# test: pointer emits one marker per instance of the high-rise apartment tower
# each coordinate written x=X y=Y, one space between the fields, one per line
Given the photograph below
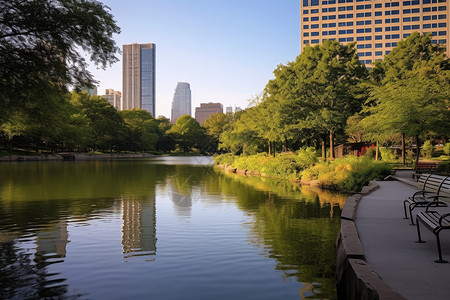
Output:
x=181 y=104
x=139 y=77
x=376 y=25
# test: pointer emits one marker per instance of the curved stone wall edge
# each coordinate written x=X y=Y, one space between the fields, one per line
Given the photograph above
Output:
x=355 y=279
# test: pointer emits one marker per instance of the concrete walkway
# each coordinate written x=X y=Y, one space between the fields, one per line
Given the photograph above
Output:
x=390 y=249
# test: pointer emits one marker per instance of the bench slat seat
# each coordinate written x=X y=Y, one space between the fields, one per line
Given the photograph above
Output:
x=436 y=222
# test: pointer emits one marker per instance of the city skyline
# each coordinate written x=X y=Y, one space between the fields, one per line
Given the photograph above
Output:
x=226 y=51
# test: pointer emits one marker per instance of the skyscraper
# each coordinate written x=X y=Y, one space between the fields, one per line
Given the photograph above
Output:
x=139 y=77
x=113 y=97
x=181 y=104
x=376 y=25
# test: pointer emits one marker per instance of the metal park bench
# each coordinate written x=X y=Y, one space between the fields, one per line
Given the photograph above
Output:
x=425 y=167
x=436 y=222
x=430 y=189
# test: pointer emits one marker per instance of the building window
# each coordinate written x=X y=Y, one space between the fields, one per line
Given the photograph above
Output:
x=442 y=33
x=342 y=40
x=368 y=54
x=415 y=19
x=314 y=41
x=442 y=41
x=426 y=26
x=387 y=44
x=378 y=21
x=395 y=36
x=342 y=32
x=406 y=3
x=349 y=31
x=314 y=11
x=305 y=19
x=395 y=28
x=359 y=46
x=305 y=34
x=314 y=26
x=349 y=8
x=368 y=46
x=350 y=39
x=332 y=9
x=387 y=29
x=305 y=42
x=442 y=17
x=360 y=15
x=378 y=53
x=305 y=11
x=442 y=8
x=378 y=13
x=408 y=27
x=395 y=20
x=426 y=18
x=342 y=8
x=378 y=45
x=314 y=18
x=324 y=32
x=360 y=38
x=415 y=2
x=361 y=30
x=406 y=19
x=341 y=16
x=378 y=29
x=415 y=27
x=368 y=22
x=341 y=24
x=395 y=12
x=305 y=3
x=406 y=35
x=415 y=10
x=349 y=16
x=367 y=30
x=442 y=25
x=349 y=23
x=314 y=2
x=378 y=37
x=368 y=38
x=387 y=52
x=394 y=44
x=358 y=23
x=315 y=33
x=426 y=9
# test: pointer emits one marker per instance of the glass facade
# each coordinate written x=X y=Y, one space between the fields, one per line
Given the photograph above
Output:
x=148 y=80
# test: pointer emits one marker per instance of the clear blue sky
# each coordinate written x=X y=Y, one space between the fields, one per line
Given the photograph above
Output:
x=226 y=50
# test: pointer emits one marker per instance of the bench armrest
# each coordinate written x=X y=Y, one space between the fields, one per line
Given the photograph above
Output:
x=442 y=218
x=436 y=203
x=420 y=193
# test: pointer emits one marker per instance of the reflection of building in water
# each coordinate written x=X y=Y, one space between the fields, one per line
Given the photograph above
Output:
x=139 y=225
x=53 y=240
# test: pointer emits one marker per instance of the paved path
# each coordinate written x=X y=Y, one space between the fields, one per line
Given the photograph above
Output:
x=389 y=247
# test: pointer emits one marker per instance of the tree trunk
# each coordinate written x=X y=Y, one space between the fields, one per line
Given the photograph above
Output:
x=324 y=150
x=377 y=152
x=331 y=145
x=403 y=150
x=418 y=150
x=269 y=149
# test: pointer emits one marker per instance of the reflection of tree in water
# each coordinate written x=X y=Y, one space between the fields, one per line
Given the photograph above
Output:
x=295 y=225
x=24 y=275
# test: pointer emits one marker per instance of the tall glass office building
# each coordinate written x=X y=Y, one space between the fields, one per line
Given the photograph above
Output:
x=139 y=77
x=376 y=25
x=181 y=104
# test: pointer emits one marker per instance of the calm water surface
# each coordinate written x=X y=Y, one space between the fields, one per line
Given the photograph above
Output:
x=162 y=228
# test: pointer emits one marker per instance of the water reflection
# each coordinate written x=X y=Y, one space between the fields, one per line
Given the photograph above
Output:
x=139 y=226
x=43 y=206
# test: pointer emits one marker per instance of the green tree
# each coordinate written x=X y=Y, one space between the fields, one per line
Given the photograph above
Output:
x=40 y=41
x=142 y=127
x=410 y=94
x=105 y=123
x=187 y=132
x=318 y=92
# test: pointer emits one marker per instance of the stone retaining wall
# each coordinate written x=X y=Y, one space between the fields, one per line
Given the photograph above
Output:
x=355 y=279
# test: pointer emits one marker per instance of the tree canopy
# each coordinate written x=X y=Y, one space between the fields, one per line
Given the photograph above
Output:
x=41 y=43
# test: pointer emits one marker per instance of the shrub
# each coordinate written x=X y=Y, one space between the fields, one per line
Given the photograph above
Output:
x=350 y=173
x=387 y=154
x=444 y=168
x=446 y=149
x=428 y=149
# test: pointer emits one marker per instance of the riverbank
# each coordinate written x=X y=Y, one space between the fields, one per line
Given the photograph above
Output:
x=72 y=156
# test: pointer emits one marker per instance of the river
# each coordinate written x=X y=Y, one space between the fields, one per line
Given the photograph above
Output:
x=162 y=228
